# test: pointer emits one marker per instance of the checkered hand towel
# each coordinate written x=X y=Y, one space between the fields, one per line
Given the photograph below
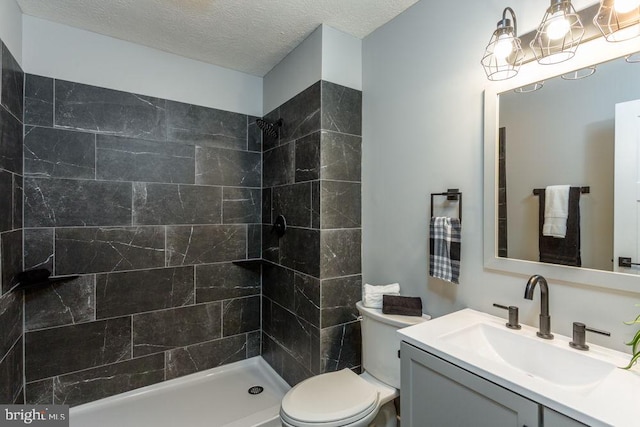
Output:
x=444 y=246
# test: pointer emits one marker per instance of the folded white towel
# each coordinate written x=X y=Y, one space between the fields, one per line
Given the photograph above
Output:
x=556 y=211
x=372 y=294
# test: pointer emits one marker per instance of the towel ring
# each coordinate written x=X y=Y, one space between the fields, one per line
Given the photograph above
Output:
x=452 y=194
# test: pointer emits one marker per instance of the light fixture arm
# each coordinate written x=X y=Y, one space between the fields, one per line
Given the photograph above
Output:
x=513 y=16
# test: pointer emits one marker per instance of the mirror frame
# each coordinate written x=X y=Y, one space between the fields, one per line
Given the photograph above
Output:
x=591 y=53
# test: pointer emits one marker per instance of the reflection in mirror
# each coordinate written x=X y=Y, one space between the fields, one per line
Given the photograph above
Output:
x=564 y=134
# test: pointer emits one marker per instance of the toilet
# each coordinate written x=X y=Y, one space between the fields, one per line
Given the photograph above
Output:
x=345 y=399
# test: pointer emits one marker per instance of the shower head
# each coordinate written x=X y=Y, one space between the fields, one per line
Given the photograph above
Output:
x=271 y=129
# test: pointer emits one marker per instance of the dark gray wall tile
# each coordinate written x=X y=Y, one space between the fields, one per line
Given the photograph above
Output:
x=10 y=142
x=254 y=344
x=206 y=127
x=198 y=357
x=176 y=204
x=130 y=292
x=189 y=325
x=341 y=109
x=301 y=114
x=18 y=197
x=341 y=157
x=254 y=241
x=11 y=321
x=240 y=315
x=270 y=244
x=341 y=347
x=340 y=253
x=283 y=363
x=340 y=204
x=307 y=298
x=294 y=202
x=266 y=206
x=254 y=135
x=218 y=166
x=100 y=250
x=215 y=282
x=10 y=257
x=58 y=153
x=93 y=384
x=55 y=351
x=308 y=157
x=70 y=202
x=39 y=392
x=279 y=168
x=315 y=204
x=203 y=244
x=108 y=111
x=60 y=304
x=129 y=159
x=38 y=248
x=339 y=297
x=241 y=205
x=278 y=285
x=6 y=201
x=291 y=332
x=11 y=368
x=300 y=250
x=38 y=100
x=12 y=83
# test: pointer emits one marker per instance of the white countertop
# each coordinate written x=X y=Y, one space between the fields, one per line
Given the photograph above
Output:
x=611 y=401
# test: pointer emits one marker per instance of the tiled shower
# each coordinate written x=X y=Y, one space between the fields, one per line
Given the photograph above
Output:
x=163 y=209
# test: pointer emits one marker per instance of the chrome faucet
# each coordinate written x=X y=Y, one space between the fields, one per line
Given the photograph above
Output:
x=545 y=319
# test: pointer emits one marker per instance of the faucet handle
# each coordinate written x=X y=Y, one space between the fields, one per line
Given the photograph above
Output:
x=513 y=316
x=579 y=335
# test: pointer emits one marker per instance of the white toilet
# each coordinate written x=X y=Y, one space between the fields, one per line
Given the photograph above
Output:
x=344 y=399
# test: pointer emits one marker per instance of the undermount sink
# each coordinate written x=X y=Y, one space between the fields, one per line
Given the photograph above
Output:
x=535 y=357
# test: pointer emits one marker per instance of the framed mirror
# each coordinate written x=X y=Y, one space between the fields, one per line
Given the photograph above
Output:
x=561 y=134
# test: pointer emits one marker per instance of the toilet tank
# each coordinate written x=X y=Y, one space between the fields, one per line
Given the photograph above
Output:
x=381 y=342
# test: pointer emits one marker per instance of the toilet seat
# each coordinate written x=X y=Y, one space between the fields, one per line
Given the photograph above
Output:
x=330 y=400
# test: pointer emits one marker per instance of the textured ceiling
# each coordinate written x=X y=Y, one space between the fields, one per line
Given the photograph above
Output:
x=251 y=36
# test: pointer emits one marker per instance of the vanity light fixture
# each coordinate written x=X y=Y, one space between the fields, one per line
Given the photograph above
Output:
x=579 y=74
x=634 y=58
x=618 y=20
x=503 y=56
x=558 y=35
x=530 y=88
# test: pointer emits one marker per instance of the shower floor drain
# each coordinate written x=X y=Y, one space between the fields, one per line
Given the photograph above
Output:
x=256 y=389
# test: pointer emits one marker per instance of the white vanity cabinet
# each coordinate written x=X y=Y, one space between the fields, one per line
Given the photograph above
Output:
x=438 y=393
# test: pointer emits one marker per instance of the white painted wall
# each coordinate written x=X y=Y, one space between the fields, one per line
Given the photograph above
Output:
x=63 y=52
x=11 y=27
x=341 y=58
x=423 y=132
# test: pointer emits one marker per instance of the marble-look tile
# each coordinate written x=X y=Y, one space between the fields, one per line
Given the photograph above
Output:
x=341 y=109
x=308 y=157
x=241 y=205
x=57 y=153
x=279 y=168
x=10 y=257
x=339 y=297
x=315 y=204
x=130 y=292
x=294 y=202
x=198 y=357
x=56 y=351
x=270 y=244
x=38 y=100
x=38 y=248
x=340 y=253
x=204 y=244
x=101 y=250
x=11 y=374
x=278 y=285
x=188 y=325
x=341 y=157
x=97 y=383
x=72 y=202
x=206 y=127
x=291 y=332
x=266 y=206
x=176 y=204
x=39 y=392
x=307 y=298
x=10 y=142
x=340 y=204
x=216 y=282
x=254 y=344
x=301 y=114
x=283 y=363
x=18 y=206
x=240 y=315
x=254 y=135
x=11 y=321
x=130 y=159
x=218 y=166
x=300 y=250
x=254 y=241
x=341 y=347
x=12 y=83
x=271 y=141
x=6 y=201
x=315 y=363
x=59 y=304
x=107 y=111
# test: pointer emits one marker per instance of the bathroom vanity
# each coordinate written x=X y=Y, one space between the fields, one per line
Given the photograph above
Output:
x=467 y=368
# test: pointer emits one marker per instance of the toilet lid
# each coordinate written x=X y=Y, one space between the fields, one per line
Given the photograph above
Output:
x=330 y=397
